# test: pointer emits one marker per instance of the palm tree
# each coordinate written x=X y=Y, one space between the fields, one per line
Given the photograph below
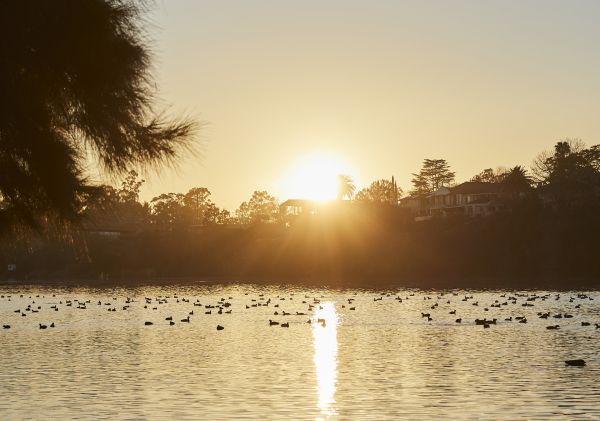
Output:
x=76 y=83
x=516 y=181
x=346 y=187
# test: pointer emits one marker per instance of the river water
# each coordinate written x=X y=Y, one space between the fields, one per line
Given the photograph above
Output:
x=375 y=356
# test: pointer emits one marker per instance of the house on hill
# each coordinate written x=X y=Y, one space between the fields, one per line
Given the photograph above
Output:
x=472 y=198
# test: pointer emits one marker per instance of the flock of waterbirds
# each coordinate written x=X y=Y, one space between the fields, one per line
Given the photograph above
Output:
x=312 y=303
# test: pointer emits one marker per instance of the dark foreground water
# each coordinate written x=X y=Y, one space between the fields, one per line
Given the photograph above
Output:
x=374 y=357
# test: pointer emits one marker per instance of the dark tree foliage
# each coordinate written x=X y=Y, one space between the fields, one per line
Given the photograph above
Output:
x=381 y=191
x=75 y=82
x=516 y=180
x=571 y=174
x=434 y=174
x=261 y=208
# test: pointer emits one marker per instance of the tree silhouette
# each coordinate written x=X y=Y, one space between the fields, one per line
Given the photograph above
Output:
x=262 y=207
x=434 y=174
x=381 y=191
x=130 y=187
x=75 y=82
x=168 y=210
x=490 y=175
x=516 y=180
x=171 y=210
x=198 y=205
x=346 y=187
x=108 y=205
x=571 y=173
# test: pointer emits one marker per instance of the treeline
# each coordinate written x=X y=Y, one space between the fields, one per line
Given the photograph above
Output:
x=531 y=246
x=567 y=176
x=547 y=235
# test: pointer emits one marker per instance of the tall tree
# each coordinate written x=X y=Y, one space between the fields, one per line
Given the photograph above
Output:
x=261 y=208
x=198 y=205
x=381 y=191
x=75 y=82
x=571 y=172
x=107 y=205
x=168 y=210
x=516 y=181
x=545 y=164
x=346 y=187
x=434 y=174
x=130 y=187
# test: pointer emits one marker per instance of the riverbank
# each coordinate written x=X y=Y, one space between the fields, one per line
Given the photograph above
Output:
x=516 y=251
x=564 y=284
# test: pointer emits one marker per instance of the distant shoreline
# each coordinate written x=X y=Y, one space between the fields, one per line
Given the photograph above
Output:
x=376 y=284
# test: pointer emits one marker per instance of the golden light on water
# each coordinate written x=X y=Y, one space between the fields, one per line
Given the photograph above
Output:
x=326 y=348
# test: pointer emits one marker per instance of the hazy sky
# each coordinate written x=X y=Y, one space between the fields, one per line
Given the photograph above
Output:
x=379 y=85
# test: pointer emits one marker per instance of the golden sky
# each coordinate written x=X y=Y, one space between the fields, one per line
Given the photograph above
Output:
x=375 y=86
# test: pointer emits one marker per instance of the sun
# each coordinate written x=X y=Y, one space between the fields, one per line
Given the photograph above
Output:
x=314 y=178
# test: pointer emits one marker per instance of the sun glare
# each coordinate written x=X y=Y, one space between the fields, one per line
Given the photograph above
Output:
x=314 y=178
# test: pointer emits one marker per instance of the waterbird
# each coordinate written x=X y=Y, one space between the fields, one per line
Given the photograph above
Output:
x=148 y=323
x=273 y=323
x=575 y=363
x=43 y=326
x=285 y=324
x=219 y=327
x=554 y=327
x=186 y=320
x=6 y=326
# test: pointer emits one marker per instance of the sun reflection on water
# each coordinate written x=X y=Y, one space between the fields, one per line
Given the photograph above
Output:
x=326 y=348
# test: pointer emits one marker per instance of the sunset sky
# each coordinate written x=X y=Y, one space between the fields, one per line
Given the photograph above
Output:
x=373 y=87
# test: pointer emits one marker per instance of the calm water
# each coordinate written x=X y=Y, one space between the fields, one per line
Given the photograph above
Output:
x=382 y=360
